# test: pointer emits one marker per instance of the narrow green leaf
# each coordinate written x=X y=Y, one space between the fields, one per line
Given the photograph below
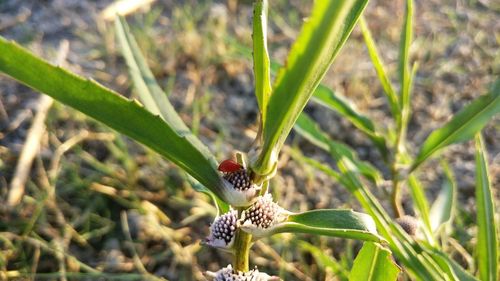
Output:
x=404 y=53
x=487 y=240
x=150 y=93
x=326 y=97
x=261 y=61
x=340 y=104
x=380 y=69
x=453 y=270
x=331 y=222
x=421 y=205
x=319 y=42
x=310 y=130
x=401 y=245
x=471 y=119
x=441 y=213
x=154 y=98
x=123 y=115
x=374 y=263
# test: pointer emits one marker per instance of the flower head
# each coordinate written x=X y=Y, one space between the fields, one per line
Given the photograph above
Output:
x=262 y=216
x=229 y=274
x=409 y=224
x=222 y=231
x=239 y=189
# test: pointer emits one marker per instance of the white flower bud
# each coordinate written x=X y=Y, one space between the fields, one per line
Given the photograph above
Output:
x=262 y=217
x=229 y=274
x=223 y=230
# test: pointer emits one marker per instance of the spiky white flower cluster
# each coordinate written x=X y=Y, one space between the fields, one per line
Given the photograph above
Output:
x=239 y=179
x=409 y=224
x=222 y=230
x=262 y=216
x=229 y=274
x=239 y=189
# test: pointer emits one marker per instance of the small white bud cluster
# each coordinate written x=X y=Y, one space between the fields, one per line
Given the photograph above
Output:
x=239 y=179
x=229 y=274
x=222 y=230
x=262 y=216
x=409 y=224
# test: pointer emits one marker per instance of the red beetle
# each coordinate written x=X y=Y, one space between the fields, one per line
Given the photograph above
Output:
x=229 y=166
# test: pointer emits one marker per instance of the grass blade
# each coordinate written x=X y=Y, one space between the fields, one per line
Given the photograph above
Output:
x=421 y=267
x=319 y=42
x=374 y=263
x=404 y=53
x=421 y=205
x=310 y=130
x=121 y=114
x=380 y=69
x=471 y=119
x=261 y=61
x=453 y=269
x=487 y=240
x=326 y=97
x=154 y=98
x=150 y=93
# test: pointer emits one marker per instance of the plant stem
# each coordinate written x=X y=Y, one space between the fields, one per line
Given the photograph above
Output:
x=396 y=197
x=396 y=181
x=242 y=244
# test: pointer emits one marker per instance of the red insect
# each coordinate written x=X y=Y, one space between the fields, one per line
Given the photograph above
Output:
x=229 y=166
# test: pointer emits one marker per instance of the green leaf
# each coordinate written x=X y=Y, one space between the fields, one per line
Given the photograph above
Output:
x=487 y=240
x=441 y=213
x=152 y=96
x=374 y=263
x=401 y=245
x=319 y=42
x=380 y=69
x=452 y=269
x=404 y=54
x=471 y=119
x=340 y=104
x=121 y=114
x=331 y=222
x=310 y=130
x=150 y=93
x=326 y=97
x=261 y=61
x=421 y=205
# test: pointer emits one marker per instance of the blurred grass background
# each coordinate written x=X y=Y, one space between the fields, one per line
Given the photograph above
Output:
x=100 y=207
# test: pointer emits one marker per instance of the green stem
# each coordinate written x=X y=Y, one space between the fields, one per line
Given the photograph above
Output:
x=242 y=244
x=396 y=198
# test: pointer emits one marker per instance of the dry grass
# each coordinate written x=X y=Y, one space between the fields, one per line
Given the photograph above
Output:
x=98 y=207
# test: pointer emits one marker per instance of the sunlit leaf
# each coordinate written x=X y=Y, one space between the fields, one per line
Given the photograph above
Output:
x=471 y=119
x=310 y=130
x=121 y=114
x=261 y=61
x=487 y=239
x=319 y=41
x=380 y=69
x=331 y=222
x=441 y=212
x=326 y=97
x=374 y=263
